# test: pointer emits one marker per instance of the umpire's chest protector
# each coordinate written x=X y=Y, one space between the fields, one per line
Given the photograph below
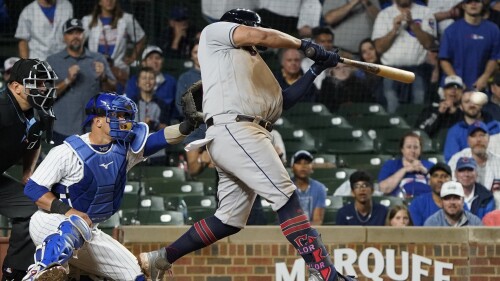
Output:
x=100 y=191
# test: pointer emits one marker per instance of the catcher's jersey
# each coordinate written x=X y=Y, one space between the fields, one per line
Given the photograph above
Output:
x=235 y=80
x=63 y=166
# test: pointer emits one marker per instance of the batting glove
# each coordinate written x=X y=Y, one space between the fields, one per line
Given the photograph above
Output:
x=319 y=53
x=331 y=61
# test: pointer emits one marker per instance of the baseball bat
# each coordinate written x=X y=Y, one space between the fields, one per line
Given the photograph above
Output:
x=376 y=69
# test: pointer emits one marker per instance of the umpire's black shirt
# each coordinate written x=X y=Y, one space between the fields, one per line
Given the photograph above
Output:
x=14 y=127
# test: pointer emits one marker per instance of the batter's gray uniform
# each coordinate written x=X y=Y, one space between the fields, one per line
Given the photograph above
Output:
x=238 y=81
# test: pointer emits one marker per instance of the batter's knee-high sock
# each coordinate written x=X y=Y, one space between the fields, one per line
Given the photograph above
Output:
x=297 y=230
x=201 y=234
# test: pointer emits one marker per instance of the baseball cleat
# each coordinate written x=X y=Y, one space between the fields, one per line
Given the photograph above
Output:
x=54 y=273
x=314 y=275
x=154 y=264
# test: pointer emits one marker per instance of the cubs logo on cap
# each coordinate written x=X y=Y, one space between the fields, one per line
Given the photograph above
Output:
x=466 y=163
x=72 y=24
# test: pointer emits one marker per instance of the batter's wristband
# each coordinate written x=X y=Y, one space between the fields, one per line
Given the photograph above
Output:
x=59 y=207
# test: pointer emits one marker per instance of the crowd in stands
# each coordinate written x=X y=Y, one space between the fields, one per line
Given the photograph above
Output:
x=453 y=47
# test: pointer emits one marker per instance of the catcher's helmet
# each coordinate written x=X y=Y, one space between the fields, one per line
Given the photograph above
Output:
x=38 y=80
x=119 y=112
x=242 y=16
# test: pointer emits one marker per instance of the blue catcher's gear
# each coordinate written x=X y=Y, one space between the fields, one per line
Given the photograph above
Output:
x=119 y=112
x=141 y=131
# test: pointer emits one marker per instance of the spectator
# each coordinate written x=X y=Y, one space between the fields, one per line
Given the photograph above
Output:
x=187 y=78
x=363 y=211
x=368 y=53
x=108 y=28
x=7 y=67
x=165 y=87
x=493 y=218
x=478 y=199
x=453 y=213
x=406 y=176
x=290 y=71
x=470 y=47
x=324 y=37
x=445 y=12
x=175 y=39
x=456 y=138
x=150 y=109
x=39 y=28
x=493 y=105
x=424 y=205
x=441 y=116
x=294 y=16
x=342 y=86
x=344 y=17
x=402 y=34
x=488 y=163
x=82 y=74
x=312 y=193
x=398 y=216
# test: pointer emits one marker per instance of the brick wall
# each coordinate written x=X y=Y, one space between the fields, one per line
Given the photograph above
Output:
x=251 y=255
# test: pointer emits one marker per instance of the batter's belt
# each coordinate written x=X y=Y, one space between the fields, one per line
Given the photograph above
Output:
x=247 y=118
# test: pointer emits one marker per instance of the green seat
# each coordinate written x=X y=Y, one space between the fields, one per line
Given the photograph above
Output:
x=158 y=217
x=283 y=122
x=174 y=203
x=439 y=140
x=128 y=216
x=379 y=122
x=370 y=163
x=16 y=172
x=151 y=202
x=410 y=112
x=325 y=158
x=130 y=201
x=330 y=217
x=332 y=184
x=298 y=139
x=307 y=109
x=320 y=122
x=142 y=172
x=134 y=187
x=344 y=141
x=360 y=109
x=434 y=157
x=197 y=214
x=200 y=201
x=110 y=224
x=388 y=140
x=156 y=186
x=388 y=201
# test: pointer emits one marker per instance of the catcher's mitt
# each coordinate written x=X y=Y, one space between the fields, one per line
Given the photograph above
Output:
x=191 y=108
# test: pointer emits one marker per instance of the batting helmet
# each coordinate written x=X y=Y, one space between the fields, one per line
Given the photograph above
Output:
x=242 y=16
x=119 y=112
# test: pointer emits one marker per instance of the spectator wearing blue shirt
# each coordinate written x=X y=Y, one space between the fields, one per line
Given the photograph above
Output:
x=453 y=212
x=189 y=77
x=166 y=84
x=478 y=199
x=312 y=193
x=363 y=211
x=406 y=176
x=424 y=205
x=456 y=138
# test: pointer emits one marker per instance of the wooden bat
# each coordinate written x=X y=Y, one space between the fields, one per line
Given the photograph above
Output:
x=377 y=69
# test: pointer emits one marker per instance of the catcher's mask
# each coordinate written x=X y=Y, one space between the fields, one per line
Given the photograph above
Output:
x=245 y=17
x=38 y=80
x=119 y=112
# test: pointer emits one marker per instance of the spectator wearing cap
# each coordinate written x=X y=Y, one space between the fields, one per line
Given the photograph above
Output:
x=443 y=115
x=453 y=212
x=488 y=163
x=424 y=205
x=493 y=105
x=478 y=199
x=470 y=47
x=189 y=77
x=7 y=67
x=312 y=193
x=177 y=37
x=166 y=84
x=493 y=218
x=363 y=211
x=108 y=28
x=39 y=28
x=456 y=138
x=82 y=74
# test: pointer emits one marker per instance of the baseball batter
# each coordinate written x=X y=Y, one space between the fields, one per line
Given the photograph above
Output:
x=80 y=183
x=241 y=101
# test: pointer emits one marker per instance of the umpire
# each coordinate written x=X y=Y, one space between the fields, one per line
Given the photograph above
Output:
x=25 y=112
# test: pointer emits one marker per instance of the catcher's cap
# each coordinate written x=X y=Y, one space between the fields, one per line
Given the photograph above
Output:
x=151 y=49
x=243 y=16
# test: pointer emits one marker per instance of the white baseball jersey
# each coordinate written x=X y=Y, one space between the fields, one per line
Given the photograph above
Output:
x=44 y=38
x=103 y=255
x=406 y=50
x=222 y=67
x=442 y=6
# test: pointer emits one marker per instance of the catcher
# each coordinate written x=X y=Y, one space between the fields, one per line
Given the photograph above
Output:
x=80 y=184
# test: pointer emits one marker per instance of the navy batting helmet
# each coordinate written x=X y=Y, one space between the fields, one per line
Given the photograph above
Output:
x=242 y=16
x=119 y=112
